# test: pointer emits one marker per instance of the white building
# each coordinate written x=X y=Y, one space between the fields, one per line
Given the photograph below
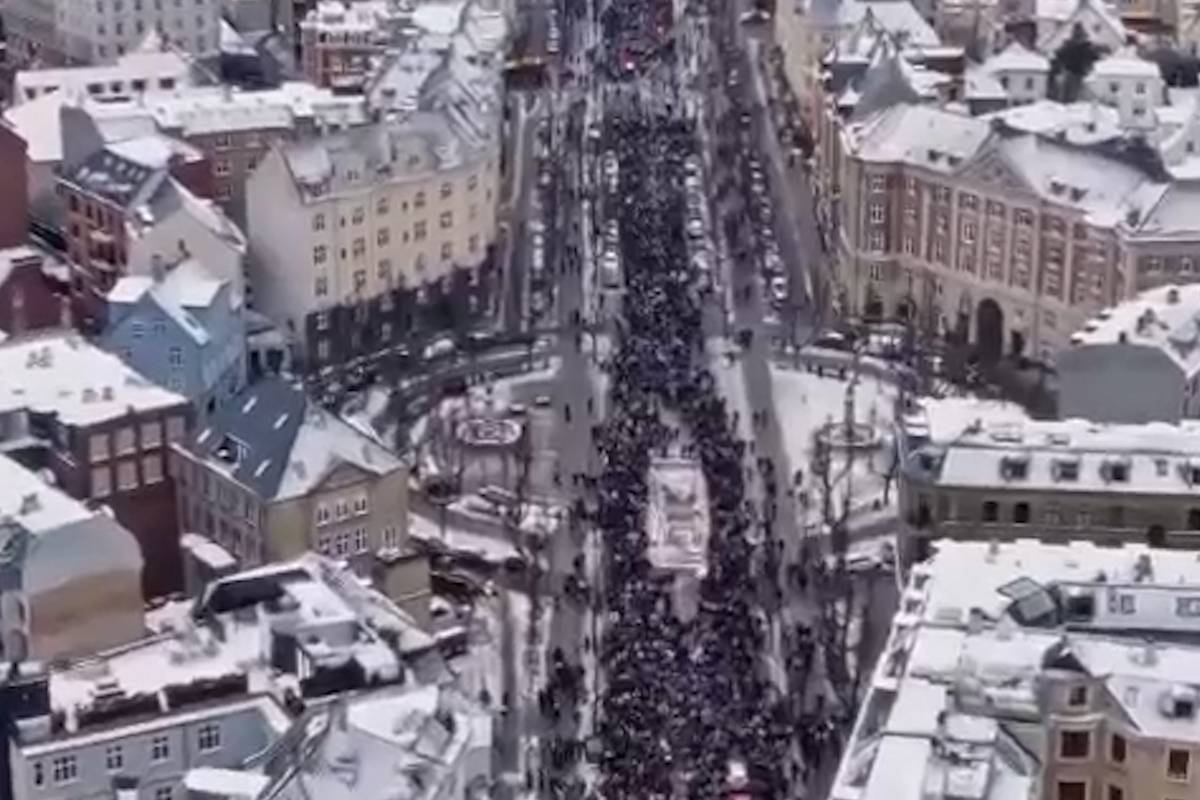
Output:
x=1022 y=73
x=408 y=203
x=1131 y=84
x=71 y=579
x=1025 y=670
x=215 y=684
x=134 y=73
x=1056 y=20
x=102 y=32
x=1152 y=343
x=424 y=743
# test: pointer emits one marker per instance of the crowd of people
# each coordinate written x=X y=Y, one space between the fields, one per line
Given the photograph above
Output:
x=682 y=699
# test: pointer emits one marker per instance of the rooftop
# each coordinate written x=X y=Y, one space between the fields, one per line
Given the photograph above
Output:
x=61 y=373
x=1017 y=57
x=1124 y=64
x=956 y=702
x=36 y=505
x=254 y=633
x=182 y=289
x=140 y=65
x=1166 y=319
x=272 y=440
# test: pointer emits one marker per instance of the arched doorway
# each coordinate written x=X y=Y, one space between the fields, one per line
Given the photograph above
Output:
x=989 y=330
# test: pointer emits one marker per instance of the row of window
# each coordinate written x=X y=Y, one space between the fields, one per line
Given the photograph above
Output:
x=342 y=509
x=102 y=446
x=118 y=6
x=139 y=27
x=343 y=543
x=1076 y=745
x=383 y=205
x=65 y=769
x=127 y=475
x=359 y=277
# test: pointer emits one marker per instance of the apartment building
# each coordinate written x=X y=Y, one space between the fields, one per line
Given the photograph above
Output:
x=1148 y=343
x=437 y=740
x=273 y=475
x=72 y=574
x=102 y=430
x=341 y=42
x=31 y=298
x=61 y=32
x=1065 y=672
x=1023 y=73
x=980 y=230
x=215 y=685
x=134 y=73
x=972 y=471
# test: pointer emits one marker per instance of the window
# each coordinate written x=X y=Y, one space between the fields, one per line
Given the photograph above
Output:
x=175 y=356
x=360 y=279
x=98 y=447
x=991 y=511
x=360 y=247
x=360 y=504
x=1139 y=88
x=341 y=543
x=323 y=349
x=1115 y=793
x=1179 y=763
x=138 y=330
x=357 y=216
x=151 y=435
x=342 y=509
x=152 y=469
x=878 y=183
x=381 y=206
x=318 y=222
x=876 y=212
x=1119 y=472
x=969 y=232
x=1074 y=744
x=127 y=477
x=321 y=286
x=323 y=515
x=1121 y=604
x=209 y=737
x=114 y=758
x=175 y=429
x=391 y=537
x=360 y=540
x=160 y=748
x=125 y=443
x=320 y=254
x=164 y=793
x=446 y=220
x=1116 y=749
x=101 y=482
x=385 y=269
x=382 y=237
x=876 y=242
x=1077 y=696
x=64 y=769
x=419 y=231
x=39 y=774
x=472 y=183
x=419 y=200
x=1021 y=513
x=222 y=166
x=447 y=190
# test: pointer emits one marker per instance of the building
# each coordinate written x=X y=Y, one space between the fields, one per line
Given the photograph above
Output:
x=1148 y=342
x=14 y=206
x=60 y=32
x=102 y=430
x=341 y=43
x=133 y=74
x=183 y=329
x=1029 y=670
x=31 y=298
x=978 y=229
x=273 y=475
x=424 y=741
x=71 y=580
x=231 y=128
x=970 y=471
x=1024 y=74
x=215 y=685
x=1055 y=22
x=1131 y=84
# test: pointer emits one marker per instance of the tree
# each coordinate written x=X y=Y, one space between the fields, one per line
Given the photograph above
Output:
x=1072 y=62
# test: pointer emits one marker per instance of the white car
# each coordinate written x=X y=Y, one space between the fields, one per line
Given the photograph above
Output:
x=753 y=16
x=695 y=227
x=779 y=289
x=440 y=348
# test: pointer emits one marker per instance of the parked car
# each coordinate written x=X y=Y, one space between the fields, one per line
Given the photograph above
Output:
x=441 y=347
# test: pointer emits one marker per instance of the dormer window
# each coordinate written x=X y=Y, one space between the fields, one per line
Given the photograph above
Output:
x=1014 y=468
x=1066 y=469
x=1115 y=470
x=1077 y=697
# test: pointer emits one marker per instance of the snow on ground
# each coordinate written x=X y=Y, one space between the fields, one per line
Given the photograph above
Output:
x=491 y=548
x=805 y=401
x=727 y=369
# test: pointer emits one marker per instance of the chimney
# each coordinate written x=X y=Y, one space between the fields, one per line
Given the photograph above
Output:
x=156 y=267
x=29 y=504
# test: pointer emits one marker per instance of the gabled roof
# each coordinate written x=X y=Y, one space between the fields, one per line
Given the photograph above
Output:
x=1017 y=57
x=185 y=287
x=117 y=179
x=272 y=440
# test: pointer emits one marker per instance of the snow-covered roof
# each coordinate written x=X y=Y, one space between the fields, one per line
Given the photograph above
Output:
x=983 y=85
x=921 y=135
x=339 y=18
x=961 y=680
x=1017 y=58
x=1166 y=318
x=61 y=373
x=225 y=639
x=35 y=504
x=150 y=68
x=1124 y=64
x=182 y=289
x=1081 y=123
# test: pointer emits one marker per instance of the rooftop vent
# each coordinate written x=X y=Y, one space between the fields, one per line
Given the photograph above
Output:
x=1173 y=295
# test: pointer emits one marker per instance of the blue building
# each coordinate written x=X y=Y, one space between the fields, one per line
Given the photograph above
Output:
x=182 y=328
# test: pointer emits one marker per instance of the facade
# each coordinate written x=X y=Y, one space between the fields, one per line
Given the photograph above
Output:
x=969 y=473
x=1055 y=22
x=273 y=476
x=421 y=742
x=1132 y=85
x=1148 y=342
x=183 y=329
x=30 y=298
x=133 y=74
x=1024 y=74
x=212 y=689
x=342 y=43
x=14 y=206
x=102 y=430
x=1029 y=670
x=982 y=230
x=350 y=231
x=73 y=583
